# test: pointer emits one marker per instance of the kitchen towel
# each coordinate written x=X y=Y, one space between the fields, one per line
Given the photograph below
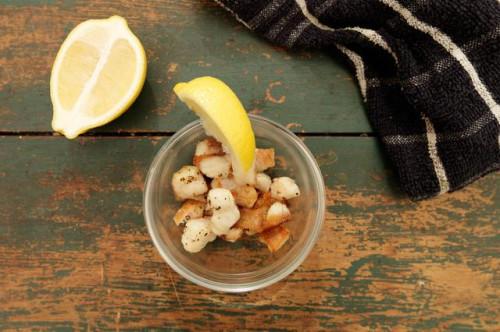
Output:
x=429 y=72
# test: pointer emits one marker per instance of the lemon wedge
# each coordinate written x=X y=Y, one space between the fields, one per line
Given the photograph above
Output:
x=224 y=118
x=98 y=73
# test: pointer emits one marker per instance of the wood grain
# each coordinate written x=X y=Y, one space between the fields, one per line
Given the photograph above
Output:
x=74 y=250
x=183 y=40
x=75 y=253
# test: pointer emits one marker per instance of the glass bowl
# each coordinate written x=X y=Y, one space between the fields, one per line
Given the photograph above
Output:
x=247 y=264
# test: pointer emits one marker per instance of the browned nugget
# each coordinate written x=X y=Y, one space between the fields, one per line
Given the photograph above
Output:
x=264 y=159
x=190 y=209
x=275 y=238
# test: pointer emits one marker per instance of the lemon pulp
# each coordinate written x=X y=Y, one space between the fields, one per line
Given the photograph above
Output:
x=98 y=73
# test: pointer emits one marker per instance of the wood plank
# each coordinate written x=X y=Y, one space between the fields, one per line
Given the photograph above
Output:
x=75 y=253
x=307 y=91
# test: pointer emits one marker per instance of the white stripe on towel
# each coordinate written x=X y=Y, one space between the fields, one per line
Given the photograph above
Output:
x=303 y=7
x=278 y=27
x=444 y=185
x=370 y=34
x=375 y=38
x=360 y=68
x=232 y=13
x=471 y=130
x=265 y=13
x=299 y=29
x=453 y=49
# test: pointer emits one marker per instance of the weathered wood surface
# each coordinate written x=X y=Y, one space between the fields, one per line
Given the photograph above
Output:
x=74 y=250
x=75 y=253
x=183 y=39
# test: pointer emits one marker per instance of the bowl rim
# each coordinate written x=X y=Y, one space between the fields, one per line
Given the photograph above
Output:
x=249 y=286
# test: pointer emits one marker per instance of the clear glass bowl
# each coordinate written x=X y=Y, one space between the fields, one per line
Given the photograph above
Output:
x=247 y=264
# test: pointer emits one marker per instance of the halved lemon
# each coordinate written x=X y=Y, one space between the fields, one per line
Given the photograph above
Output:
x=223 y=117
x=98 y=73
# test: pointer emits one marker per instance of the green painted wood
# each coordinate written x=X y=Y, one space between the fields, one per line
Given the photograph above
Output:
x=309 y=92
x=75 y=253
x=74 y=250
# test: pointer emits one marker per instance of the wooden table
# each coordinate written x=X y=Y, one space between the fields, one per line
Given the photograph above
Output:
x=74 y=250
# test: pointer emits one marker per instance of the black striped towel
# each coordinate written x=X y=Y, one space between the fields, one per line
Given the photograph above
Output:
x=429 y=72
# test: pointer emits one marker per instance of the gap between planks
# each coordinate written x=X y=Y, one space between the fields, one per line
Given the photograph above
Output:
x=161 y=134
